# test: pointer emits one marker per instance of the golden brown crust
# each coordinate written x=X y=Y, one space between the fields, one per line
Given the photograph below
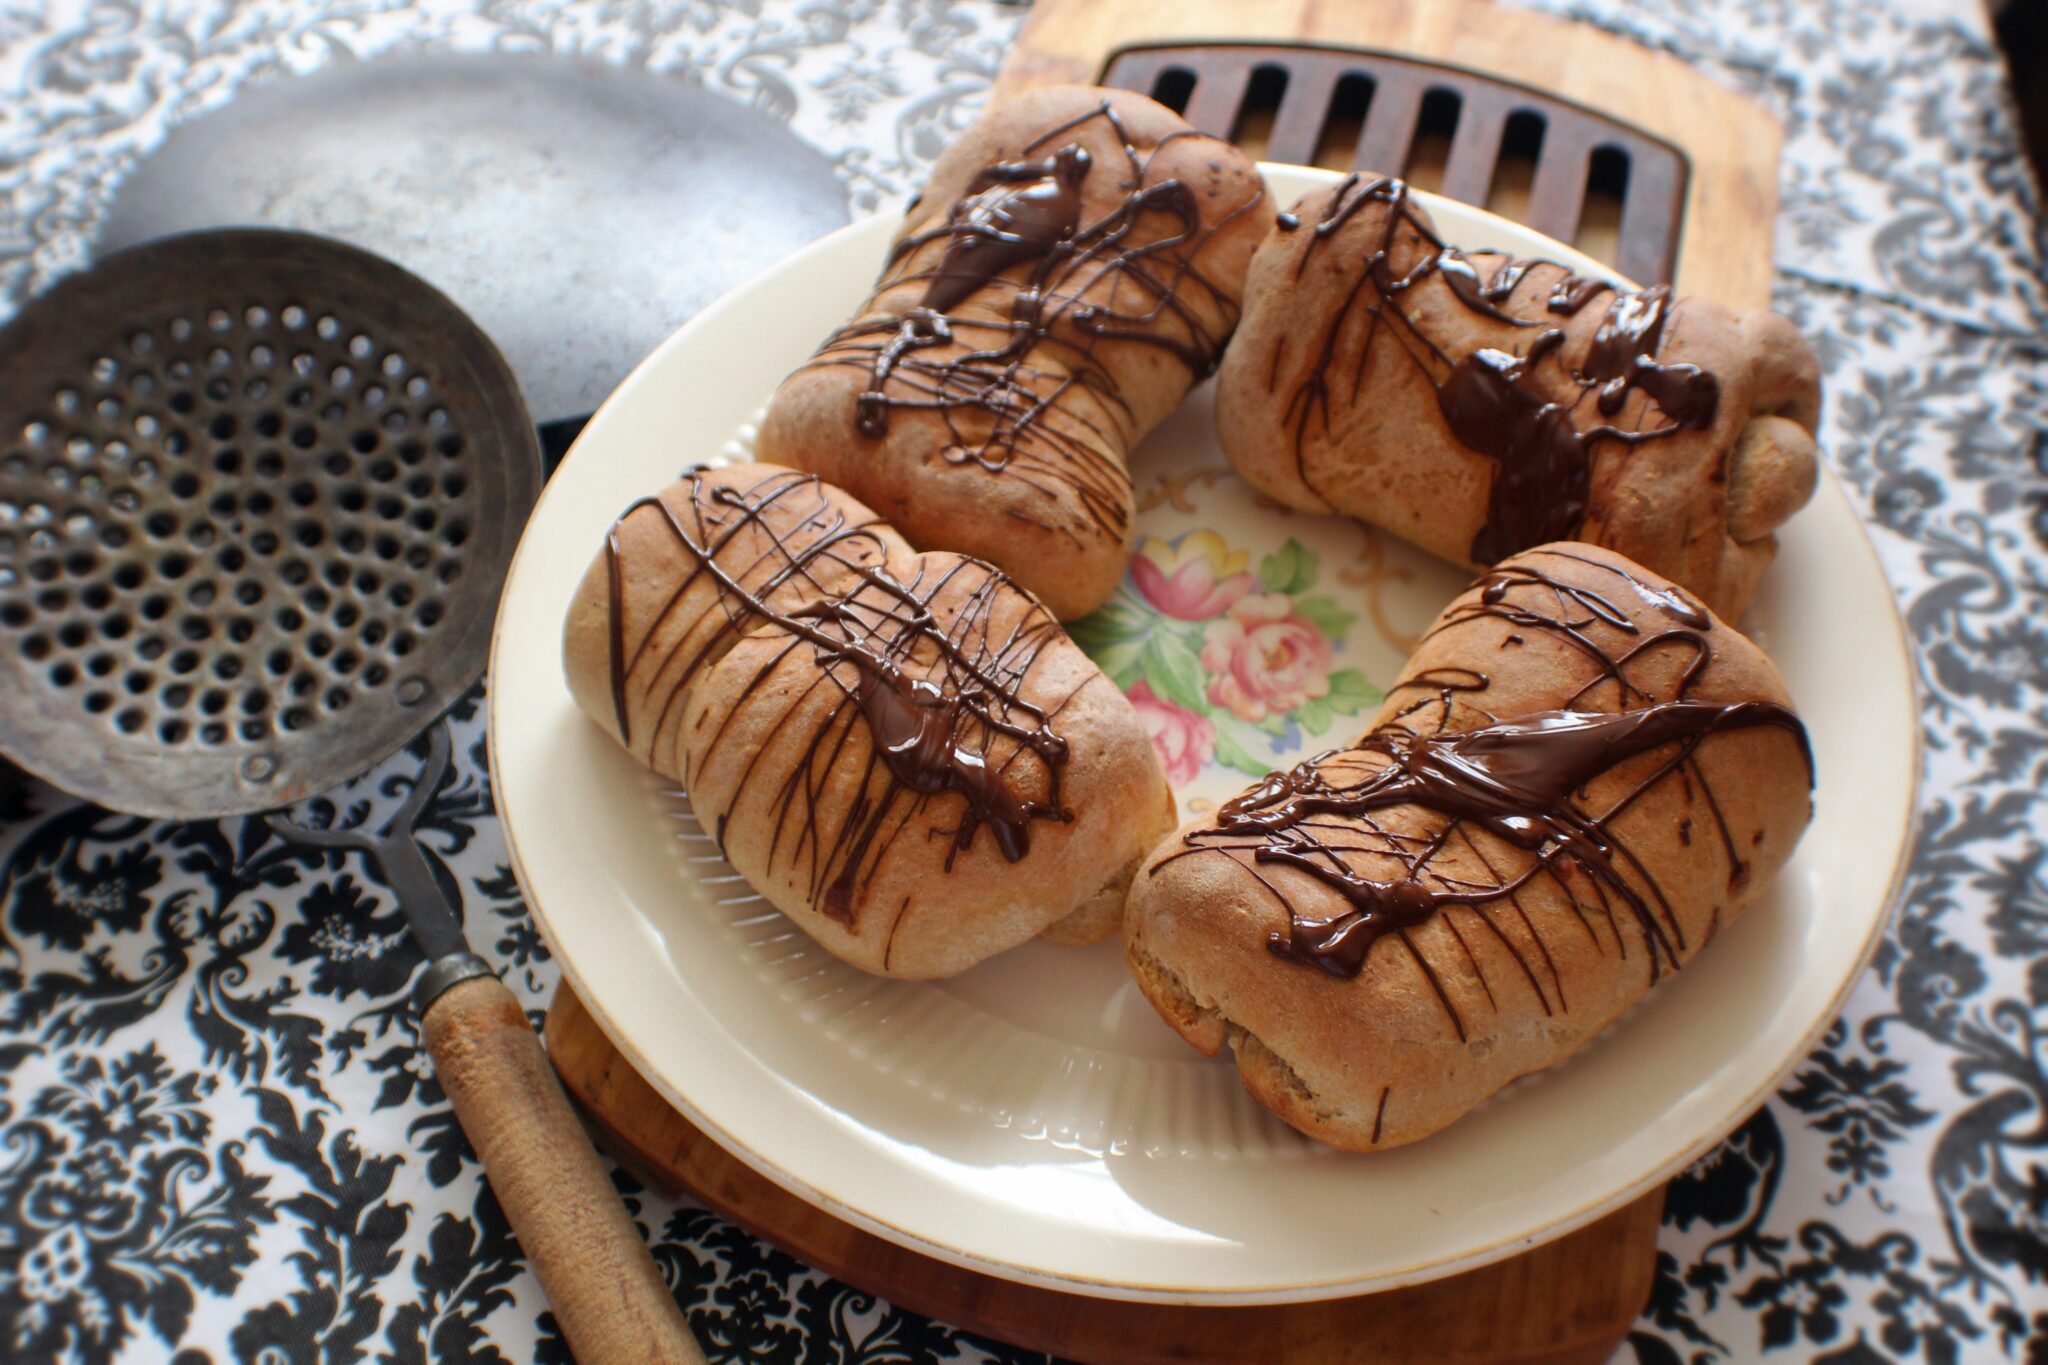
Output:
x=677 y=620
x=1329 y=399
x=1448 y=1009
x=757 y=671
x=1022 y=461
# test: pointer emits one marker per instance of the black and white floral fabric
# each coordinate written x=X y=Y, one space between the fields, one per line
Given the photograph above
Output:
x=219 y=1142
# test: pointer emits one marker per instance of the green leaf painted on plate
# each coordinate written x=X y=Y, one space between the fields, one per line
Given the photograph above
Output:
x=1235 y=750
x=1325 y=615
x=1351 y=691
x=1314 y=716
x=1289 y=569
x=1174 y=671
x=1121 y=660
x=1108 y=624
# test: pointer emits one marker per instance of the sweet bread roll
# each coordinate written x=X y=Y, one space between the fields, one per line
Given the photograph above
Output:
x=1477 y=406
x=903 y=753
x=1074 y=266
x=1580 y=778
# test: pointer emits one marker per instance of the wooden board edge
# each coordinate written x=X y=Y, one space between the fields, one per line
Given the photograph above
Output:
x=1731 y=141
x=1610 y=1264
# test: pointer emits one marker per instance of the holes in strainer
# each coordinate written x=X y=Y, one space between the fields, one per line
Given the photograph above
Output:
x=15 y=615
x=115 y=627
x=394 y=365
x=184 y=661
x=360 y=346
x=295 y=718
x=416 y=387
x=227 y=668
x=223 y=427
x=185 y=485
x=100 y=665
x=327 y=328
x=36 y=648
x=255 y=702
x=215 y=733
x=64 y=674
x=292 y=316
x=137 y=682
x=151 y=648
x=129 y=720
x=454 y=485
x=303 y=494
x=218 y=319
x=268 y=425
x=155 y=608
x=303 y=437
x=98 y=702
x=256 y=315
x=176 y=695
x=73 y=634
x=213 y=701
x=141 y=343
x=363 y=442
x=171 y=730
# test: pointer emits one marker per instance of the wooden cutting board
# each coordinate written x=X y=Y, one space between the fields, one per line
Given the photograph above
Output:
x=1570 y=1302
x=1705 y=164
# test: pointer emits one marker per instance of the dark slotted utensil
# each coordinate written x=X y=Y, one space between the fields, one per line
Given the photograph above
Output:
x=258 y=493
x=1307 y=92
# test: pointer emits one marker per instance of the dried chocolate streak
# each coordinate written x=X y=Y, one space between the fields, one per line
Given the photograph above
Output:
x=1030 y=211
x=936 y=696
x=1517 y=779
x=1541 y=490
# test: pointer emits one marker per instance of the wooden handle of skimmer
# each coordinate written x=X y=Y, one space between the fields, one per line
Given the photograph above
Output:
x=605 y=1291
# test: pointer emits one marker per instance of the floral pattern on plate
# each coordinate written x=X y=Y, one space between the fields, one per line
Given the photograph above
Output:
x=1228 y=666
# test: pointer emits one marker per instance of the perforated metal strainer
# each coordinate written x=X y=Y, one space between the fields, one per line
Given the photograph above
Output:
x=258 y=491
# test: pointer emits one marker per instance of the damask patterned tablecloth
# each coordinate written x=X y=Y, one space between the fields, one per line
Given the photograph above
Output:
x=218 y=1138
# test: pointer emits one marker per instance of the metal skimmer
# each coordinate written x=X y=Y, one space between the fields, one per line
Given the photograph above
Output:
x=258 y=492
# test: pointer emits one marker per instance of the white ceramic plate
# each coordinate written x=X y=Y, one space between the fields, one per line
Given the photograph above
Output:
x=1032 y=1118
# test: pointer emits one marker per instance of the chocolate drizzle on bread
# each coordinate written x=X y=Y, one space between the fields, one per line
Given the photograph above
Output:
x=1028 y=211
x=936 y=696
x=1542 y=486
x=1516 y=779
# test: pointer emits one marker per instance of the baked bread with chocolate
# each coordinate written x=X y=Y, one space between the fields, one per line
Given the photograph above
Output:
x=1072 y=269
x=1580 y=778
x=902 y=752
x=1477 y=405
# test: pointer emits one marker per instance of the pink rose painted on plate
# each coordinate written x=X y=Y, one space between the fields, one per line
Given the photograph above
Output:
x=1197 y=579
x=1183 y=739
x=1263 y=659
